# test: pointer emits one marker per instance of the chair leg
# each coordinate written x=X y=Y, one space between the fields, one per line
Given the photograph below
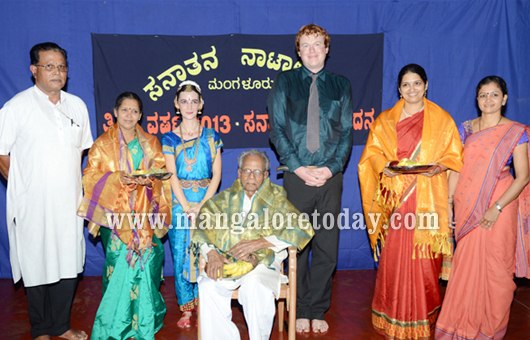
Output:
x=292 y=319
x=281 y=314
x=291 y=301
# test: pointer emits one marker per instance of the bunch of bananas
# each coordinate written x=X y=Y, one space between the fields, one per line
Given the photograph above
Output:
x=407 y=162
x=236 y=269
x=147 y=172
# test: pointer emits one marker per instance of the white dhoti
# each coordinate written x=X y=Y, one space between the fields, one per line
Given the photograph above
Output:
x=255 y=295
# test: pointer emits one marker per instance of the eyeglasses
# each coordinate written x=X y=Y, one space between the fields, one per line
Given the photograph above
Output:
x=257 y=172
x=52 y=67
x=493 y=94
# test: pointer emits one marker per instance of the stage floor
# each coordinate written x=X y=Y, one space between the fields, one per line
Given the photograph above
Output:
x=349 y=316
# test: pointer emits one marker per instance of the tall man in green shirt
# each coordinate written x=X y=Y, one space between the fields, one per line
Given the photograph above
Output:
x=310 y=113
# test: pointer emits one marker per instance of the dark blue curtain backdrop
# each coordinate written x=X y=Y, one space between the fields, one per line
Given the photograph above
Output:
x=236 y=73
x=458 y=42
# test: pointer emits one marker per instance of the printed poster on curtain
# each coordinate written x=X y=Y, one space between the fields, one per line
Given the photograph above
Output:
x=235 y=72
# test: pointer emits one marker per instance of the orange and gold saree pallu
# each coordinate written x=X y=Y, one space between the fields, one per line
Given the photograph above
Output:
x=440 y=143
x=105 y=194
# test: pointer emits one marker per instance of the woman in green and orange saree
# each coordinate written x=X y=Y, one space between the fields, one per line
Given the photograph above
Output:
x=489 y=226
x=407 y=214
x=115 y=203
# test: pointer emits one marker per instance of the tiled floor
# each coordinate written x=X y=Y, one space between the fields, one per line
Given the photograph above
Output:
x=349 y=316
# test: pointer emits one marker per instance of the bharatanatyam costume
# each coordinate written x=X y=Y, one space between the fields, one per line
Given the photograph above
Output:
x=228 y=218
x=193 y=161
x=132 y=306
x=407 y=296
x=480 y=290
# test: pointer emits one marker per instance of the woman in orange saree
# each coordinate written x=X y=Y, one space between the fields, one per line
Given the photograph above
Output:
x=407 y=214
x=480 y=290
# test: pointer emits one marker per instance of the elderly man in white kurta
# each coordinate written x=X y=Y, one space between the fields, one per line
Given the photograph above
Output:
x=243 y=233
x=43 y=132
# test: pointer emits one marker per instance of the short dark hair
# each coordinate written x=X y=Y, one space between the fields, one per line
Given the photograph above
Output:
x=411 y=68
x=501 y=83
x=45 y=46
x=128 y=95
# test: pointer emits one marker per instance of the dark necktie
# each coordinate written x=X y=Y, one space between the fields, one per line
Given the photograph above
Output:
x=313 y=117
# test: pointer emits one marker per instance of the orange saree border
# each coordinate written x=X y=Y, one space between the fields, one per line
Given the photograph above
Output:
x=393 y=328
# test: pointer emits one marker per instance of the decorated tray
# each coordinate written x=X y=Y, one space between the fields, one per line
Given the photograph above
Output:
x=410 y=169
x=156 y=174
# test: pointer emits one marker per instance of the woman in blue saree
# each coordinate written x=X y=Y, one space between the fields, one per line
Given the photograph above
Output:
x=193 y=156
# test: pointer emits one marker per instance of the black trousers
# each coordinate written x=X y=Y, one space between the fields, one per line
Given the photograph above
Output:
x=49 y=307
x=314 y=276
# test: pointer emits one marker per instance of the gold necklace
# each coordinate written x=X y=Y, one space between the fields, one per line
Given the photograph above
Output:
x=196 y=143
x=407 y=115
x=480 y=121
x=188 y=133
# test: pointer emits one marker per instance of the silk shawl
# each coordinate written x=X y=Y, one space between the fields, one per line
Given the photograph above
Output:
x=440 y=143
x=222 y=224
x=106 y=195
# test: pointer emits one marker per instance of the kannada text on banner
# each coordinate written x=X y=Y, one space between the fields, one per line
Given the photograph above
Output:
x=235 y=72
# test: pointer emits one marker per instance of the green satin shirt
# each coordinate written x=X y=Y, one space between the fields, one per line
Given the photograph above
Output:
x=287 y=106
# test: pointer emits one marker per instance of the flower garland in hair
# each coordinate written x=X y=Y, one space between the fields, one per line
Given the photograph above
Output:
x=190 y=82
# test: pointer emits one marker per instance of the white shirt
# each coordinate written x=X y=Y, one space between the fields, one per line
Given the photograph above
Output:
x=45 y=142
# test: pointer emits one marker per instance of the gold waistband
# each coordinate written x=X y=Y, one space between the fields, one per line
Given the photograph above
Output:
x=200 y=183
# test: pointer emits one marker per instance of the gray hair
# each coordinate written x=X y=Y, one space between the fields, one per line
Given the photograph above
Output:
x=254 y=152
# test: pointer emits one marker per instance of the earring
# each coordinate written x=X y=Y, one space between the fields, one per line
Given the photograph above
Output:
x=199 y=113
x=178 y=112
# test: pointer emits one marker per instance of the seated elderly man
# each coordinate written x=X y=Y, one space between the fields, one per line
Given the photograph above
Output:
x=243 y=233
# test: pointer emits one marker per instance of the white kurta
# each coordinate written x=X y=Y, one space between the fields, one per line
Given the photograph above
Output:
x=45 y=143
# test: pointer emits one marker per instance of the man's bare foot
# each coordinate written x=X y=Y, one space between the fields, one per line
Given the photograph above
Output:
x=74 y=334
x=319 y=326
x=302 y=326
x=43 y=337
